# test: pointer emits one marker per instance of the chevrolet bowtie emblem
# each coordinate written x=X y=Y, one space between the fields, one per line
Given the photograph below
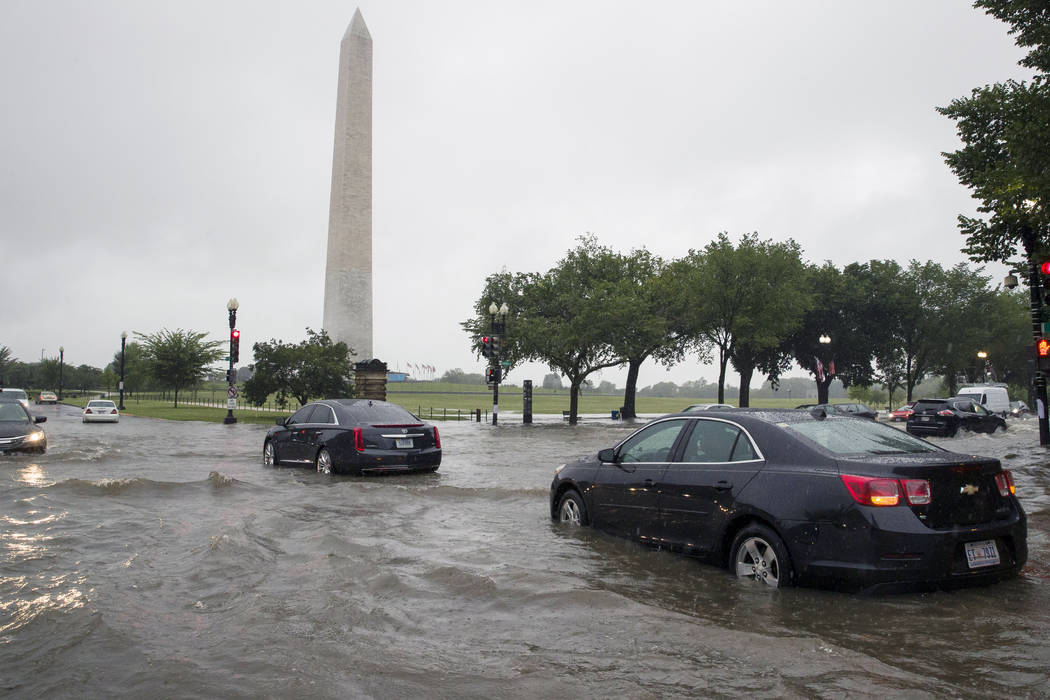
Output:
x=969 y=489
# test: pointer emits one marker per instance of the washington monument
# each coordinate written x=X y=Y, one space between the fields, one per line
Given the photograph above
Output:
x=348 y=270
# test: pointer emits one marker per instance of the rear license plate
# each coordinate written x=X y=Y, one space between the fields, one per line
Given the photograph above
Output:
x=925 y=419
x=403 y=443
x=983 y=553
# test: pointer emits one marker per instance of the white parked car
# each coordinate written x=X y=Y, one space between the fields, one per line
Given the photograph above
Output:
x=101 y=411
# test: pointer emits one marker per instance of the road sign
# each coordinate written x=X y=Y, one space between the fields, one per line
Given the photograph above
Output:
x=231 y=403
x=505 y=363
x=231 y=393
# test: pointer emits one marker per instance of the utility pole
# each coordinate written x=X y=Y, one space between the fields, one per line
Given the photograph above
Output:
x=498 y=330
x=231 y=374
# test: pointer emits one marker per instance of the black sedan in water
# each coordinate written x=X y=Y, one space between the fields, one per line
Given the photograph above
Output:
x=18 y=428
x=358 y=436
x=798 y=497
x=947 y=416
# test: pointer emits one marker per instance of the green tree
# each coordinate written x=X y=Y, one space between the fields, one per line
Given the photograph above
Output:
x=137 y=375
x=313 y=368
x=562 y=317
x=179 y=359
x=741 y=300
x=841 y=304
x=552 y=381
x=6 y=361
x=776 y=303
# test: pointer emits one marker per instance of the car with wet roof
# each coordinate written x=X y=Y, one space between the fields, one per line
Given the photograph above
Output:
x=790 y=497
x=357 y=436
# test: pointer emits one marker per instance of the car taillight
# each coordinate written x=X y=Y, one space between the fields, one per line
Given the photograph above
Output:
x=872 y=491
x=113 y=411
x=945 y=412
x=917 y=491
x=359 y=440
x=1005 y=481
x=87 y=410
x=437 y=438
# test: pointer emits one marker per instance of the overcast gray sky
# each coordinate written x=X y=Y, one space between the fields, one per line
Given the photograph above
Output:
x=160 y=158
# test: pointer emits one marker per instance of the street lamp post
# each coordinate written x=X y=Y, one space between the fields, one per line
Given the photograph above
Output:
x=61 y=361
x=231 y=308
x=498 y=329
x=123 y=342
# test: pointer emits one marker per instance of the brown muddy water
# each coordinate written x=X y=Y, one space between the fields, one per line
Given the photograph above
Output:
x=162 y=559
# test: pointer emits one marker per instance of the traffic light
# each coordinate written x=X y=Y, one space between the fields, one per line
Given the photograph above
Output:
x=235 y=345
x=492 y=375
x=497 y=343
x=486 y=346
x=231 y=377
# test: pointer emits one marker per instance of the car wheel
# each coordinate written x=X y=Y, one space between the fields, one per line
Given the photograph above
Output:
x=571 y=509
x=759 y=554
x=324 y=461
x=270 y=454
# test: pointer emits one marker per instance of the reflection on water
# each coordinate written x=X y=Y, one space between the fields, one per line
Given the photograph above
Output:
x=163 y=559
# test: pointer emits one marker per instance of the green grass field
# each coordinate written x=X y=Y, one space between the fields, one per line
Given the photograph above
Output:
x=435 y=401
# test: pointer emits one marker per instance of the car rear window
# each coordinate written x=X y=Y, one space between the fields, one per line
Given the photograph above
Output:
x=380 y=413
x=101 y=404
x=852 y=437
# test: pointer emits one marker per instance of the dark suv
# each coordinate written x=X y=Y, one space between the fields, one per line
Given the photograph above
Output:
x=946 y=416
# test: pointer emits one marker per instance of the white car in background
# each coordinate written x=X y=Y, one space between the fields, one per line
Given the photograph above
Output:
x=101 y=411
x=20 y=394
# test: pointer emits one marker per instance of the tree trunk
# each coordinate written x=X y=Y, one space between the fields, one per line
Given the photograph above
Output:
x=574 y=400
x=745 y=387
x=723 y=360
x=176 y=398
x=631 y=389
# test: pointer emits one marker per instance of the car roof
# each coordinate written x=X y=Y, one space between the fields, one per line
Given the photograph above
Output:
x=9 y=399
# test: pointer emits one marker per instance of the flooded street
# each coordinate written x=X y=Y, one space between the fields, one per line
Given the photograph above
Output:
x=154 y=558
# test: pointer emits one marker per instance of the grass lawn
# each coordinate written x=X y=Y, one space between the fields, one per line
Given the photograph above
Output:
x=431 y=400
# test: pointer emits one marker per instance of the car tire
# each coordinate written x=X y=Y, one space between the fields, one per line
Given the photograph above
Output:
x=270 y=454
x=324 y=461
x=758 y=553
x=571 y=509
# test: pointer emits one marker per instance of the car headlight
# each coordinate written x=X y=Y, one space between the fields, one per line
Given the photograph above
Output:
x=35 y=437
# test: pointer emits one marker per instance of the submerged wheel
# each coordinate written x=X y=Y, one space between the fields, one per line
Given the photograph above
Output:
x=324 y=461
x=759 y=554
x=571 y=509
x=270 y=454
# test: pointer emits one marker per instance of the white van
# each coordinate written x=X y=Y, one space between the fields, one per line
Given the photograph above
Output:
x=993 y=398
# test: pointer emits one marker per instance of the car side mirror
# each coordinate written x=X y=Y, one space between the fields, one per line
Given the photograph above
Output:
x=607 y=455
x=40 y=419
x=282 y=421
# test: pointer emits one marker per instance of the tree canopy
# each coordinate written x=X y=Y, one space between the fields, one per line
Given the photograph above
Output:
x=179 y=358
x=313 y=368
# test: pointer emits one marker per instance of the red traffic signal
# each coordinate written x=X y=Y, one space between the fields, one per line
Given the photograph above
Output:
x=486 y=346
x=235 y=345
x=1042 y=348
x=1044 y=267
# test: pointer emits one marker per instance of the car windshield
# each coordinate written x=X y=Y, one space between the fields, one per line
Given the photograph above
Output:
x=12 y=413
x=851 y=437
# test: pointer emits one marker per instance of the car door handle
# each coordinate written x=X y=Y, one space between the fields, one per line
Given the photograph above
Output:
x=723 y=485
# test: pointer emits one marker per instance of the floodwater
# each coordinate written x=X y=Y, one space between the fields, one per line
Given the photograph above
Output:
x=162 y=559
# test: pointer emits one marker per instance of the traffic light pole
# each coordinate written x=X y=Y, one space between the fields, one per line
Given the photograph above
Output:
x=230 y=374
x=1034 y=284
